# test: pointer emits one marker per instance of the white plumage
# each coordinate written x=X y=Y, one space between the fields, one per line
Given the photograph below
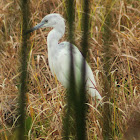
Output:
x=59 y=55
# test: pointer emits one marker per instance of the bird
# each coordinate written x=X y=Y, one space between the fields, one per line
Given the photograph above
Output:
x=59 y=55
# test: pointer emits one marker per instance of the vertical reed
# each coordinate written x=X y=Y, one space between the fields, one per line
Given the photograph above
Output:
x=107 y=125
x=23 y=70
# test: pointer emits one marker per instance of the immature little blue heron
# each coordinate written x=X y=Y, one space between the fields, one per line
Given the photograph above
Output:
x=59 y=55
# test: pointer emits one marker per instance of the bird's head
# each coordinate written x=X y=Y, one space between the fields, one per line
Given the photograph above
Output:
x=52 y=20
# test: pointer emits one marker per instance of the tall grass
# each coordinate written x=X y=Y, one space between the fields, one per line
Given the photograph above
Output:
x=46 y=96
x=23 y=86
x=70 y=117
x=107 y=109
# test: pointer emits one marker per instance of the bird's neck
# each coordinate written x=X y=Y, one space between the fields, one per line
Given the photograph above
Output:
x=54 y=36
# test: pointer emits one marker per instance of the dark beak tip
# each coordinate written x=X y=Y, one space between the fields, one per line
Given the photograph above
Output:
x=28 y=31
x=33 y=29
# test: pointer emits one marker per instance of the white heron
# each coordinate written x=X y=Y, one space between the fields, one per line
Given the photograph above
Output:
x=59 y=55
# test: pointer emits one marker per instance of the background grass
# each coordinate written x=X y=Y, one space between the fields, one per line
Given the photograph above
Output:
x=46 y=96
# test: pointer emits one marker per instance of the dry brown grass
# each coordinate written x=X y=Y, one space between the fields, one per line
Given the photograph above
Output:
x=46 y=96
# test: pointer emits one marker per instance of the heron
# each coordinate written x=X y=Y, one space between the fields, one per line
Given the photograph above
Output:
x=59 y=55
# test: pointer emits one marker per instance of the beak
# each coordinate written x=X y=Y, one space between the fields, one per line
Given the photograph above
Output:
x=35 y=28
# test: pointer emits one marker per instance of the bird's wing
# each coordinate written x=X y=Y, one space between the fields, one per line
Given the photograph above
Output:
x=63 y=62
x=64 y=68
x=64 y=65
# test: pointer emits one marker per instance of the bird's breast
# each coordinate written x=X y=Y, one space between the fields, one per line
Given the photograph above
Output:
x=51 y=65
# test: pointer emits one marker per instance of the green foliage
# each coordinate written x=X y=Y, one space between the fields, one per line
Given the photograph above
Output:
x=28 y=123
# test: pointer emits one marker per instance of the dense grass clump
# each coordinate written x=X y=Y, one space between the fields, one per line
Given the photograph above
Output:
x=46 y=97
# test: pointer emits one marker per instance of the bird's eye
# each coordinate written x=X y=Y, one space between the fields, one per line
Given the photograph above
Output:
x=46 y=20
